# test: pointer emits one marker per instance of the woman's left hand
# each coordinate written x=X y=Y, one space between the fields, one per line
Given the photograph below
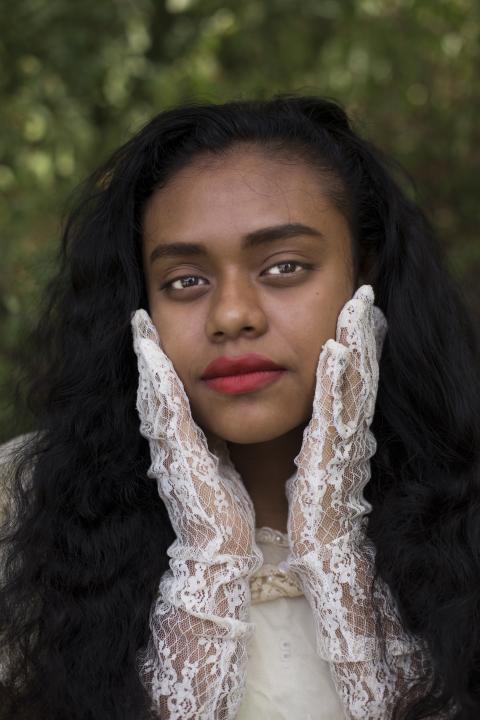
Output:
x=325 y=495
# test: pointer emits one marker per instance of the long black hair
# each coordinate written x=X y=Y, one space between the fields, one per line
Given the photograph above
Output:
x=86 y=535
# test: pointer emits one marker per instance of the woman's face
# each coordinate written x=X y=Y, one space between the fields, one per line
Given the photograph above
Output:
x=280 y=299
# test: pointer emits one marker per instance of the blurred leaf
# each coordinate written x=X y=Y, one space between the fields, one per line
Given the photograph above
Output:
x=77 y=79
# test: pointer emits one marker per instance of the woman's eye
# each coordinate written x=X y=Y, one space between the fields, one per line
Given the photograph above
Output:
x=170 y=283
x=289 y=262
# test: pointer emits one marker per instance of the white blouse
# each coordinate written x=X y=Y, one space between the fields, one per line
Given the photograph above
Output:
x=285 y=677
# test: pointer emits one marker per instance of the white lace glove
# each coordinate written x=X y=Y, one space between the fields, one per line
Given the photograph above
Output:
x=329 y=551
x=194 y=664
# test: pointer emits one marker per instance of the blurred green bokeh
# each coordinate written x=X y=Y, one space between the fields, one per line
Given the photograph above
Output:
x=77 y=79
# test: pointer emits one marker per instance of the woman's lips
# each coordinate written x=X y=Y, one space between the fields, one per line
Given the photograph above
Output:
x=247 y=382
x=247 y=363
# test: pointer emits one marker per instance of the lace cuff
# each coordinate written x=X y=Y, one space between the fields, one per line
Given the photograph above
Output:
x=337 y=581
x=194 y=665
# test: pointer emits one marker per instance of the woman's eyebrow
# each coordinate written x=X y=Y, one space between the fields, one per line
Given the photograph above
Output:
x=249 y=241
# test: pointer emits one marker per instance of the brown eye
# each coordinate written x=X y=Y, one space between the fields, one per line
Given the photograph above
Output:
x=168 y=285
x=289 y=262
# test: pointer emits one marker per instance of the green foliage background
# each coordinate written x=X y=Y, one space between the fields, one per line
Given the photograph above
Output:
x=78 y=78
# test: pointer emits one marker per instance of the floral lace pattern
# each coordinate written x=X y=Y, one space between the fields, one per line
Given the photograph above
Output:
x=273 y=579
x=328 y=514
x=195 y=662
x=194 y=665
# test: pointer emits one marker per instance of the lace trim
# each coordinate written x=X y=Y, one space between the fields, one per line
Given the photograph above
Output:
x=273 y=581
x=269 y=535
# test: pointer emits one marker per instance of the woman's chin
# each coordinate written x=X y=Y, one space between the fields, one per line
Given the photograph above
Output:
x=250 y=436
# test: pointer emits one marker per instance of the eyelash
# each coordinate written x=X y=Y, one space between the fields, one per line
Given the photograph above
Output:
x=305 y=266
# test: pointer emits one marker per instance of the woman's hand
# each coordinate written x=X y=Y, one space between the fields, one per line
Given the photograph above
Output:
x=330 y=553
x=194 y=664
x=334 y=461
x=208 y=505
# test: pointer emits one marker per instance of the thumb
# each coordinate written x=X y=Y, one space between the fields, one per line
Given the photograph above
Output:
x=143 y=328
x=153 y=362
x=162 y=401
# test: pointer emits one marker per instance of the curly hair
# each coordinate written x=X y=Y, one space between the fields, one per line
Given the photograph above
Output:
x=85 y=536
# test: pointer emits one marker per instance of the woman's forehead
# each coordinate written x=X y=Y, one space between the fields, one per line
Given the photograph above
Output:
x=235 y=198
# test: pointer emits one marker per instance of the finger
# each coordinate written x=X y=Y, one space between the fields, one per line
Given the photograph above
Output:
x=327 y=404
x=355 y=330
x=380 y=328
x=366 y=293
x=351 y=312
x=342 y=399
x=372 y=328
x=164 y=401
x=368 y=328
x=143 y=326
x=146 y=343
x=156 y=362
x=354 y=317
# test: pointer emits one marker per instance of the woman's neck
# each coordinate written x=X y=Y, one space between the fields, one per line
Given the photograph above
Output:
x=264 y=468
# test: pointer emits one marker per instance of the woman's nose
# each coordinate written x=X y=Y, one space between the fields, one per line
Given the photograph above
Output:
x=236 y=306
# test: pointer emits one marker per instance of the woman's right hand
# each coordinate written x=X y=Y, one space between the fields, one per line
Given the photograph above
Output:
x=209 y=507
x=194 y=665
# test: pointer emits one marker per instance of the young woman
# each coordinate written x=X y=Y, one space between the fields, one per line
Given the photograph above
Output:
x=252 y=489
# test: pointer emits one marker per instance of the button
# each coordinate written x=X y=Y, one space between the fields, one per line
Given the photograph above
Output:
x=286 y=647
x=286 y=650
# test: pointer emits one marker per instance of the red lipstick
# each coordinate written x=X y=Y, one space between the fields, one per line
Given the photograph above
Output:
x=244 y=373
